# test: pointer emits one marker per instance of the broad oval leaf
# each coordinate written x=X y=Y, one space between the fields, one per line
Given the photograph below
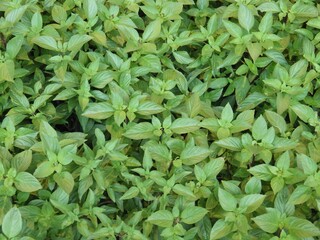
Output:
x=193 y=214
x=162 y=218
x=12 y=223
x=26 y=182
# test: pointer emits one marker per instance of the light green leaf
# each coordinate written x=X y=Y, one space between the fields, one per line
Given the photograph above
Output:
x=261 y=172
x=14 y=46
x=12 y=223
x=98 y=111
x=253 y=186
x=276 y=56
x=25 y=182
x=65 y=181
x=46 y=42
x=59 y=14
x=227 y=113
x=231 y=143
x=162 y=218
x=251 y=101
x=300 y=195
x=182 y=57
x=226 y=200
x=77 y=41
x=308 y=165
x=193 y=154
x=194 y=214
x=140 y=131
x=268 y=222
x=152 y=31
x=16 y=14
x=233 y=29
x=22 y=160
x=269 y=7
x=251 y=202
x=45 y=169
x=304 y=11
x=277 y=121
x=259 y=128
x=131 y=193
x=149 y=108
x=301 y=228
x=304 y=112
x=90 y=8
x=184 y=125
x=266 y=23
x=245 y=17
x=7 y=71
x=220 y=229
x=183 y=191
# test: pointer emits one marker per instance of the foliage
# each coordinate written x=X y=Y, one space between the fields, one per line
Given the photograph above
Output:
x=159 y=119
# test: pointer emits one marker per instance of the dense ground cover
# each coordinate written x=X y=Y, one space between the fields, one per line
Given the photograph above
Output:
x=143 y=119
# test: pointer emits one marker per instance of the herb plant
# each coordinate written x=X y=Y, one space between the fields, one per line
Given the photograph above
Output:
x=159 y=119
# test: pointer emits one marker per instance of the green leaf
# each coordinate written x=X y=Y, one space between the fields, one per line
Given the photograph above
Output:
x=261 y=172
x=101 y=79
x=46 y=42
x=214 y=166
x=233 y=29
x=12 y=223
x=149 y=108
x=193 y=154
x=276 y=56
x=14 y=46
x=16 y=14
x=220 y=229
x=277 y=183
x=266 y=23
x=22 y=160
x=184 y=125
x=251 y=202
x=259 y=128
x=308 y=165
x=193 y=214
x=140 y=131
x=77 y=41
x=304 y=11
x=277 y=121
x=45 y=169
x=268 y=222
x=300 y=195
x=183 y=191
x=304 y=112
x=90 y=8
x=269 y=7
x=231 y=143
x=131 y=193
x=26 y=182
x=49 y=137
x=152 y=31
x=227 y=201
x=162 y=218
x=65 y=181
x=98 y=111
x=301 y=228
x=182 y=57
x=59 y=14
x=114 y=60
x=253 y=186
x=251 y=101
x=245 y=17
x=7 y=71
x=227 y=113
